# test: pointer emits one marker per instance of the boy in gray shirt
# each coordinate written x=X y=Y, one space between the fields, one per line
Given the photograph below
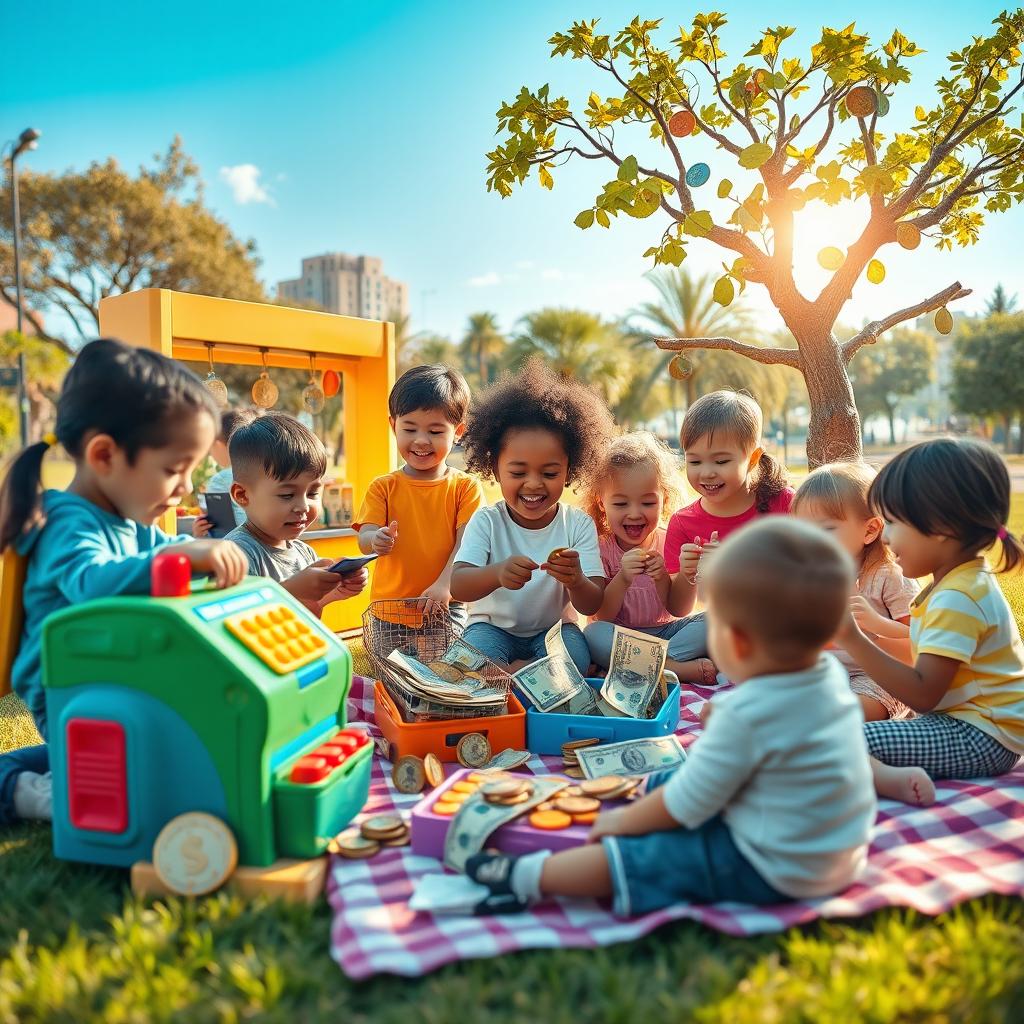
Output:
x=278 y=468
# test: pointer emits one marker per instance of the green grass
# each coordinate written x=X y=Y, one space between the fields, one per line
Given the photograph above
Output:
x=76 y=946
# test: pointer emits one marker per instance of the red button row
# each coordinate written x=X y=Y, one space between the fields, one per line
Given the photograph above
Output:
x=318 y=764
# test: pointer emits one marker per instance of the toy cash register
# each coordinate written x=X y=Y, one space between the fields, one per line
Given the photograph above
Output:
x=229 y=702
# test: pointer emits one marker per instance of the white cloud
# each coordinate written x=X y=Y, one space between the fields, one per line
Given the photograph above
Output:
x=525 y=265
x=487 y=280
x=554 y=274
x=244 y=182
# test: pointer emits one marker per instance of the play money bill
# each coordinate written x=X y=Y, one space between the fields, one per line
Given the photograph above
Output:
x=632 y=757
x=477 y=820
x=635 y=671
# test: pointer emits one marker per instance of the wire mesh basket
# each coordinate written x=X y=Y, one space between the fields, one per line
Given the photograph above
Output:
x=431 y=638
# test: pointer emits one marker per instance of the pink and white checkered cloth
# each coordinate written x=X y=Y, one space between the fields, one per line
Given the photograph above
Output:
x=968 y=844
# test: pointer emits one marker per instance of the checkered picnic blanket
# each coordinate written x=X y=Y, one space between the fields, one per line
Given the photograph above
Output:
x=970 y=843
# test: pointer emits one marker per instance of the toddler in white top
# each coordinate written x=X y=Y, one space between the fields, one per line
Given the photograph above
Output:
x=530 y=560
x=775 y=800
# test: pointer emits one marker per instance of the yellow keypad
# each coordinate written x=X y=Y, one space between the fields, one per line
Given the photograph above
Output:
x=278 y=637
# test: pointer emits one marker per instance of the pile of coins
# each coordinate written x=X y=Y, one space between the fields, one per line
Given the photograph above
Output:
x=571 y=760
x=507 y=791
x=376 y=833
x=452 y=799
x=610 y=787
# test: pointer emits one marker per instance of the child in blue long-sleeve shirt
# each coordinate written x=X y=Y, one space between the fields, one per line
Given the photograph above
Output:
x=137 y=425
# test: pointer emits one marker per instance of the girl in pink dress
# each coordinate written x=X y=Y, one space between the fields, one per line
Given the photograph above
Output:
x=836 y=499
x=735 y=478
x=627 y=495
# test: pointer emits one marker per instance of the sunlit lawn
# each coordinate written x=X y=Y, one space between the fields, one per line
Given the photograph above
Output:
x=76 y=946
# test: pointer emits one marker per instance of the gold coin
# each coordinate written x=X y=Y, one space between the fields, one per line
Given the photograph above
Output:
x=597 y=787
x=433 y=769
x=402 y=840
x=352 y=845
x=464 y=786
x=451 y=796
x=550 y=821
x=584 y=819
x=445 y=808
x=572 y=791
x=473 y=750
x=408 y=774
x=449 y=673
x=574 y=773
x=548 y=805
x=577 y=804
x=194 y=854
x=475 y=777
x=381 y=825
x=506 y=788
x=579 y=744
x=555 y=552
x=510 y=801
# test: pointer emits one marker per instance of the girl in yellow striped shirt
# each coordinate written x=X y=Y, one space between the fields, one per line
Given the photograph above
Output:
x=944 y=503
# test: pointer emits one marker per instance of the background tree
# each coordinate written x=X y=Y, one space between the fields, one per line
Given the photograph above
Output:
x=893 y=369
x=45 y=366
x=433 y=348
x=576 y=344
x=988 y=371
x=98 y=232
x=483 y=348
x=1000 y=302
x=941 y=174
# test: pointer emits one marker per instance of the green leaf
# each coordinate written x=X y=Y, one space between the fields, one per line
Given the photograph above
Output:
x=724 y=188
x=645 y=204
x=603 y=219
x=754 y=156
x=545 y=177
x=584 y=219
x=698 y=224
x=724 y=291
x=627 y=169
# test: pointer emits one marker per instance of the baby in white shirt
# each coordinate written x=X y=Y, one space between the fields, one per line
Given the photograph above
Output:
x=775 y=801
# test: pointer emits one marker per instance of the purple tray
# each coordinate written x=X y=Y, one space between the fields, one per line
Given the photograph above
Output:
x=429 y=829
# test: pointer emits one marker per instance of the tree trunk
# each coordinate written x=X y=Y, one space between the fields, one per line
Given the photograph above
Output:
x=890 y=412
x=834 y=431
x=1020 y=433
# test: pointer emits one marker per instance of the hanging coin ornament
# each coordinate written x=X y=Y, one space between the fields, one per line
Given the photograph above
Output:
x=862 y=101
x=876 y=272
x=214 y=384
x=331 y=383
x=312 y=393
x=264 y=391
x=680 y=368
x=908 y=236
x=943 y=321
x=681 y=124
x=698 y=175
x=831 y=258
x=883 y=102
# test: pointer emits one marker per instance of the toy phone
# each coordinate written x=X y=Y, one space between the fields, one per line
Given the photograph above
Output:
x=350 y=565
x=220 y=512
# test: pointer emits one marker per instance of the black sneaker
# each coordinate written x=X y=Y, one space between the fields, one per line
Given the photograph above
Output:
x=499 y=903
x=493 y=870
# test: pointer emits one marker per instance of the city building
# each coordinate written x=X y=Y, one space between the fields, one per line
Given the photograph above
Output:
x=350 y=285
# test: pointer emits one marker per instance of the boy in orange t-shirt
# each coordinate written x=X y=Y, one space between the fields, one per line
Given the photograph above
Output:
x=414 y=517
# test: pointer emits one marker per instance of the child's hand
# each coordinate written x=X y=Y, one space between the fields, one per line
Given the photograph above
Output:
x=314 y=583
x=705 y=713
x=565 y=568
x=848 y=630
x=515 y=572
x=221 y=559
x=384 y=539
x=609 y=823
x=351 y=584
x=634 y=563
x=710 y=544
x=689 y=559
x=655 y=566
x=864 y=615
x=436 y=598
x=202 y=527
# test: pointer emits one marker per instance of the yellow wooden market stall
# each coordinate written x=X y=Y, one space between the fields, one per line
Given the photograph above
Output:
x=197 y=328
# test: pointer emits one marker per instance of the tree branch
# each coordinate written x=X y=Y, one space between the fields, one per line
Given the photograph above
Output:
x=873 y=330
x=768 y=356
x=37 y=323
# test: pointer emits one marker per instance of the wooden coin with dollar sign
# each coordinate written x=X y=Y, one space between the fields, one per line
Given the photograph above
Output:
x=194 y=854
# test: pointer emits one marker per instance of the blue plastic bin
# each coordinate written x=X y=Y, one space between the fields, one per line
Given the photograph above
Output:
x=545 y=733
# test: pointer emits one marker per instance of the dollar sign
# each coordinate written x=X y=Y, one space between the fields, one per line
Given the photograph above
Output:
x=192 y=854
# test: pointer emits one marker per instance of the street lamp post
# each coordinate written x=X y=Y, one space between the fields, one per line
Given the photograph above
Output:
x=27 y=140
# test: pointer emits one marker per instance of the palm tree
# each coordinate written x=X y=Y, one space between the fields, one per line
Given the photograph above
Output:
x=482 y=346
x=576 y=344
x=687 y=309
x=433 y=348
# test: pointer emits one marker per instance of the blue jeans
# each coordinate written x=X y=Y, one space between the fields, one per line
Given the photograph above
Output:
x=682 y=865
x=503 y=647
x=13 y=763
x=687 y=639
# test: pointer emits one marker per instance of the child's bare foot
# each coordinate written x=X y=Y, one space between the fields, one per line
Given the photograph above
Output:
x=909 y=785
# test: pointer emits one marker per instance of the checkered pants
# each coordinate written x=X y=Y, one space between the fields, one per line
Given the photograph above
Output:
x=944 y=746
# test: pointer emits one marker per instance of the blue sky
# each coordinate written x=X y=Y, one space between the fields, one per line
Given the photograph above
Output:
x=362 y=127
